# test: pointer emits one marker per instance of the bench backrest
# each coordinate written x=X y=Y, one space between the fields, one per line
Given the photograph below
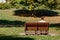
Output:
x=31 y=26
x=36 y=26
x=43 y=26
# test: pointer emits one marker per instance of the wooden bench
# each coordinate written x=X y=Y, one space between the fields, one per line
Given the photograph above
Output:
x=30 y=28
x=36 y=28
x=42 y=28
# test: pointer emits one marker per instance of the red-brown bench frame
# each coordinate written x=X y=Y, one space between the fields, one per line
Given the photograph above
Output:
x=38 y=27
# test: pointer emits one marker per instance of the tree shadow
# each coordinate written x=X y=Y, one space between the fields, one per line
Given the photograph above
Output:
x=46 y=13
x=56 y=25
x=7 y=23
x=22 y=12
x=36 y=13
x=14 y=38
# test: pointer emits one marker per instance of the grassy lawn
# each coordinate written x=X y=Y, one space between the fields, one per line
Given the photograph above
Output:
x=13 y=33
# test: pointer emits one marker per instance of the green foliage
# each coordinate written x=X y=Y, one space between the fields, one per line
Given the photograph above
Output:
x=53 y=4
x=31 y=7
x=36 y=4
x=5 y=6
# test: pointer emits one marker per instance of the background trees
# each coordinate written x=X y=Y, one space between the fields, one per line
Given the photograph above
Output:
x=32 y=4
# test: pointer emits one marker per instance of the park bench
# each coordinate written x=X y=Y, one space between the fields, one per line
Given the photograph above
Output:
x=30 y=28
x=42 y=28
x=36 y=28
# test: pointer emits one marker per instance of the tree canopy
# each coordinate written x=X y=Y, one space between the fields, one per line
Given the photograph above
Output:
x=33 y=4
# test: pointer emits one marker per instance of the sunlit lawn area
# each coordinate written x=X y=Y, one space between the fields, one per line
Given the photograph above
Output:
x=13 y=33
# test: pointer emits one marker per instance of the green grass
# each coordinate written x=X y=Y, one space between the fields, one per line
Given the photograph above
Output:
x=6 y=15
x=13 y=33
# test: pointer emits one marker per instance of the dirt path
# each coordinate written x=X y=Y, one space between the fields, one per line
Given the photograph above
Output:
x=55 y=19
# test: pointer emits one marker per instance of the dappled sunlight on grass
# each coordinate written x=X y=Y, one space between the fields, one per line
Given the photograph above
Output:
x=9 y=32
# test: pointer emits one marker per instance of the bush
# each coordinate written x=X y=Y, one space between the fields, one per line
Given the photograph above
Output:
x=5 y=6
x=8 y=6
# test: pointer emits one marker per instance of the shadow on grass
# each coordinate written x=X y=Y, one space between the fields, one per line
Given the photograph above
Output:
x=56 y=25
x=36 y=13
x=14 y=38
x=7 y=23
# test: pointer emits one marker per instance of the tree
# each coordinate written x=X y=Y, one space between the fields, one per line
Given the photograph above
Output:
x=8 y=1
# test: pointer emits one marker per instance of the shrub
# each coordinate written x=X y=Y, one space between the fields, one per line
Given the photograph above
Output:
x=5 y=6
